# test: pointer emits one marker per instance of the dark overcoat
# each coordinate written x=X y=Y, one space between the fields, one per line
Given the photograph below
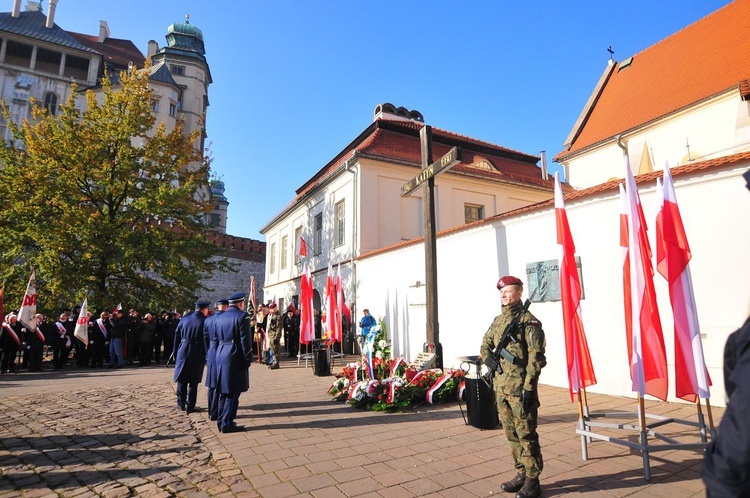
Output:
x=234 y=352
x=190 y=355
x=210 y=342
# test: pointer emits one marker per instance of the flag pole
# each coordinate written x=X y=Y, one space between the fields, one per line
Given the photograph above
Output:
x=586 y=411
x=582 y=426
x=701 y=420
x=711 y=428
x=644 y=437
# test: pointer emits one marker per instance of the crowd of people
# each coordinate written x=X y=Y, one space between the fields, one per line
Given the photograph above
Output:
x=115 y=340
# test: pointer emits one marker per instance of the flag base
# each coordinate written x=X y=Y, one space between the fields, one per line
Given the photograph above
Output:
x=649 y=440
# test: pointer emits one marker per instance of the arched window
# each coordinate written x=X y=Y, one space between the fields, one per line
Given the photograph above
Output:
x=50 y=103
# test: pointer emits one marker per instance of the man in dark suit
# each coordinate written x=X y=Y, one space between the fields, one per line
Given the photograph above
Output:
x=234 y=355
x=190 y=354
x=210 y=342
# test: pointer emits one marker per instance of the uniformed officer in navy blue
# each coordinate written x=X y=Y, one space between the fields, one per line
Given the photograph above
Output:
x=210 y=342
x=234 y=355
x=190 y=354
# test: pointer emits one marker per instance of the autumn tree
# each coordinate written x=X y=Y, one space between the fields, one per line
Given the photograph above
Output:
x=103 y=199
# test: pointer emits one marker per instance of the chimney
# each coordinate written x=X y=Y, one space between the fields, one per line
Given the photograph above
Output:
x=153 y=47
x=16 y=8
x=103 y=31
x=51 y=14
x=545 y=175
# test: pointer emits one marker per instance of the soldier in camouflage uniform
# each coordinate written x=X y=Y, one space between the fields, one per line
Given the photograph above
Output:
x=516 y=386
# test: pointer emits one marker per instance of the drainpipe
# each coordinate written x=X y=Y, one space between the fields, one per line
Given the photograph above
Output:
x=618 y=140
x=355 y=234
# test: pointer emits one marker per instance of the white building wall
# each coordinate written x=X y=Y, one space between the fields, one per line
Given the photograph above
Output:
x=714 y=209
x=715 y=128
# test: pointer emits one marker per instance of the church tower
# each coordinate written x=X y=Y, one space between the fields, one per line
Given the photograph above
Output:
x=185 y=57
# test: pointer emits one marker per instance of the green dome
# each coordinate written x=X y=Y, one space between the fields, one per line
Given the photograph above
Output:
x=185 y=36
x=185 y=28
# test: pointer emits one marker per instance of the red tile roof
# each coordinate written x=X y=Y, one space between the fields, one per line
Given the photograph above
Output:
x=678 y=171
x=703 y=59
x=115 y=52
x=398 y=141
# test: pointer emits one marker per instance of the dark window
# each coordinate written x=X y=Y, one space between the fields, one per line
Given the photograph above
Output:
x=318 y=242
x=50 y=103
x=473 y=212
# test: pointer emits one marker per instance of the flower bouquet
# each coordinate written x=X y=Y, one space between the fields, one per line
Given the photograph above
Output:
x=379 y=382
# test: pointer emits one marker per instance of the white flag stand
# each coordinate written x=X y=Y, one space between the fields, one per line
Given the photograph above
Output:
x=649 y=439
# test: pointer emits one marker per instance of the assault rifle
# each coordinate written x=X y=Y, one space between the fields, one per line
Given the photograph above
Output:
x=493 y=361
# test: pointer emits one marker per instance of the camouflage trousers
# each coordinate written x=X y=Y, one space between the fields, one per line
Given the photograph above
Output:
x=520 y=429
x=274 y=344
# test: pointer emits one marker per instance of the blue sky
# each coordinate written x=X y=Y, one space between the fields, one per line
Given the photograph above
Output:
x=295 y=81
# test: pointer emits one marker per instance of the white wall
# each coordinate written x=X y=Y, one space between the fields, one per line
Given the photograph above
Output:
x=716 y=212
x=715 y=128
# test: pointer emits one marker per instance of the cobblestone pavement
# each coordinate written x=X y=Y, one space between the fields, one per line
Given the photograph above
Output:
x=85 y=433
x=108 y=440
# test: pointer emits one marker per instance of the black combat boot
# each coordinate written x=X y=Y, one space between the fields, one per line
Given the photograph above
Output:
x=530 y=489
x=514 y=484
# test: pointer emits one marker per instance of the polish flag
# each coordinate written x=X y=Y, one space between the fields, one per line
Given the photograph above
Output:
x=580 y=369
x=672 y=258
x=647 y=355
x=339 y=305
x=330 y=322
x=307 y=325
x=302 y=249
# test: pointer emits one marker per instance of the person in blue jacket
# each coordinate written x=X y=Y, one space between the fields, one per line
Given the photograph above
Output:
x=366 y=323
x=234 y=355
x=190 y=356
x=210 y=342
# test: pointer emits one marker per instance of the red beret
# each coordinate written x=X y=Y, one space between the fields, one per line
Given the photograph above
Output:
x=508 y=280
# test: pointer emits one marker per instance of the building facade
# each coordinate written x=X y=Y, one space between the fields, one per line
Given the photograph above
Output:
x=353 y=204
x=40 y=61
x=648 y=107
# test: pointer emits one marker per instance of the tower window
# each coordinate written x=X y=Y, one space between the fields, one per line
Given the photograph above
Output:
x=50 y=103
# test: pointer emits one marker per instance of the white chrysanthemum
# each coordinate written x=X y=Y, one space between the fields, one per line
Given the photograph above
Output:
x=382 y=344
x=379 y=355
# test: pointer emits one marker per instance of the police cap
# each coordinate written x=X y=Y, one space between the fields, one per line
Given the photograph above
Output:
x=236 y=298
x=222 y=302
x=508 y=280
x=199 y=305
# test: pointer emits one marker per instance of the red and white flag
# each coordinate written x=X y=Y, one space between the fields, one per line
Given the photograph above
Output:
x=646 y=352
x=580 y=369
x=27 y=312
x=81 y=331
x=672 y=258
x=330 y=321
x=307 y=324
x=339 y=305
x=302 y=249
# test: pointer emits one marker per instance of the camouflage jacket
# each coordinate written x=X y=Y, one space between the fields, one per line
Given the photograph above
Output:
x=528 y=348
x=274 y=326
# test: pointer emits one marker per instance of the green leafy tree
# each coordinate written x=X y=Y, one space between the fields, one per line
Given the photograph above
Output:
x=103 y=200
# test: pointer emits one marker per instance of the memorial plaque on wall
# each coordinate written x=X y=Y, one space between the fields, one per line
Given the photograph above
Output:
x=544 y=277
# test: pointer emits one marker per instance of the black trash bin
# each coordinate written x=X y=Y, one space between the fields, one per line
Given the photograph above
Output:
x=480 y=403
x=348 y=344
x=321 y=359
